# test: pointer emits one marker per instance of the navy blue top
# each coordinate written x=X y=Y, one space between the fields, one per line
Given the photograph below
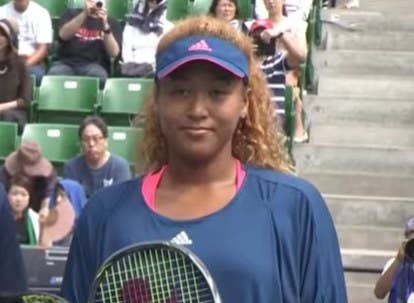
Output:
x=273 y=242
x=12 y=273
x=115 y=170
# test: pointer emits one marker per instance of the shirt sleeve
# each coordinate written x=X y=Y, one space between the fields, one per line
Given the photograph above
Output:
x=123 y=171
x=80 y=267
x=127 y=39
x=321 y=265
x=44 y=31
x=308 y=251
x=67 y=15
x=12 y=272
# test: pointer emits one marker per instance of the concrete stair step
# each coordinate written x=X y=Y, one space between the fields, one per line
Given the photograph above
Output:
x=384 y=240
x=362 y=135
x=388 y=212
x=371 y=21
x=393 y=113
x=355 y=159
x=387 y=41
x=370 y=61
x=361 y=184
x=366 y=86
x=399 y=6
x=360 y=287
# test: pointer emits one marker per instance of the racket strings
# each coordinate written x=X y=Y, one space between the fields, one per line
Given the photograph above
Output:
x=153 y=276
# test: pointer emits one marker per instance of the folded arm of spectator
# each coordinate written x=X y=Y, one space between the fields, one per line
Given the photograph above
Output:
x=38 y=56
x=295 y=53
x=69 y=29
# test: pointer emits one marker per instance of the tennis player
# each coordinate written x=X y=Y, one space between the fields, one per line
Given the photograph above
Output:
x=217 y=182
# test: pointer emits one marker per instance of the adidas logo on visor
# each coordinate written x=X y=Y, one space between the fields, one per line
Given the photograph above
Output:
x=200 y=46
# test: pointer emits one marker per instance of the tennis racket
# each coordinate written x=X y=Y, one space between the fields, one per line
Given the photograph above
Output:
x=154 y=272
x=33 y=297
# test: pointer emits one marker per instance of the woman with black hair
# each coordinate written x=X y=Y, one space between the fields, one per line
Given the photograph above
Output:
x=14 y=79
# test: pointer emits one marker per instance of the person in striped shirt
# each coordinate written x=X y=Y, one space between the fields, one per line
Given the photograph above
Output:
x=278 y=51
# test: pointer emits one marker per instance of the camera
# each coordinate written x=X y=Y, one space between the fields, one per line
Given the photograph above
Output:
x=409 y=250
x=263 y=48
x=255 y=31
x=99 y=4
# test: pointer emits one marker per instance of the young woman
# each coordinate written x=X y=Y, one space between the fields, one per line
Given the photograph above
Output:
x=27 y=220
x=227 y=10
x=14 y=79
x=218 y=177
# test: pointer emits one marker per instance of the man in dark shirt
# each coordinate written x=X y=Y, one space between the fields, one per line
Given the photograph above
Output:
x=88 y=38
x=12 y=274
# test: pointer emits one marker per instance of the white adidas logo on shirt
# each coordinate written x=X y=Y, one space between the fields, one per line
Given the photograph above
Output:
x=182 y=239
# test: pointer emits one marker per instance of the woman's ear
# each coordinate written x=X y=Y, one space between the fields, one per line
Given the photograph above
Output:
x=245 y=108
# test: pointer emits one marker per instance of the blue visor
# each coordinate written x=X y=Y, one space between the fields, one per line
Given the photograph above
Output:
x=205 y=48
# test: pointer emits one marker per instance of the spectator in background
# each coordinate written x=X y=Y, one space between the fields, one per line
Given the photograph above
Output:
x=143 y=29
x=26 y=219
x=289 y=54
x=96 y=167
x=12 y=272
x=35 y=33
x=227 y=10
x=15 y=84
x=28 y=161
x=397 y=278
x=88 y=39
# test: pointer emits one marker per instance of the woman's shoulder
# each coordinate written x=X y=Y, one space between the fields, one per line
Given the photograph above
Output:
x=268 y=178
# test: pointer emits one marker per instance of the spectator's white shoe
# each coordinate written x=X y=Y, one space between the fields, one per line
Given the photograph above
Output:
x=352 y=4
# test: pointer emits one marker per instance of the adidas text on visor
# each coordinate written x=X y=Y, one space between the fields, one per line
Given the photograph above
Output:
x=206 y=48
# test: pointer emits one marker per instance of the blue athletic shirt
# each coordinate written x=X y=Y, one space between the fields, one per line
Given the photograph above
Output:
x=274 y=242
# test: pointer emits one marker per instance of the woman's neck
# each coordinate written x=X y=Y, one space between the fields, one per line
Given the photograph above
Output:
x=276 y=17
x=18 y=215
x=101 y=162
x=222 y=170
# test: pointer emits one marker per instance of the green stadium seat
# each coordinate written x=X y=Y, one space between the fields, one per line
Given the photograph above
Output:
x=117 y=9
x=8 y=135
x=58 y=142
x=66 y=99
x=54 y=7
x=177 y=9
x=3 y=2
x=246 y=9
x=123 y=141
x=199 y=7
x=122 y=99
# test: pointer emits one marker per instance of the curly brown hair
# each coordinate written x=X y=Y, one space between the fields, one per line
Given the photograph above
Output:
x=256 y=140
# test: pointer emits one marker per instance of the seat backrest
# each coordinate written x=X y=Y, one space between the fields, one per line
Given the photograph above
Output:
x=8 y=135
x=58 y=142
x=245 y=9
x=199 y=7
x=67 y=94
x=54 y=7
x=118 y=9
x=177 y=9
x=124 y=95
x=123 y=141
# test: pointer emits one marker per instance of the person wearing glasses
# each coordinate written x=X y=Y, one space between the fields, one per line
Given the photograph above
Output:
x=96 y=167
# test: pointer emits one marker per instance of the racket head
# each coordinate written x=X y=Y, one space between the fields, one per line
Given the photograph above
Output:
x=154 y=272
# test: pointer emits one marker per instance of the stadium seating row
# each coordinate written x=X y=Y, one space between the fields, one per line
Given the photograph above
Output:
x=60 y=142
x=68 y=99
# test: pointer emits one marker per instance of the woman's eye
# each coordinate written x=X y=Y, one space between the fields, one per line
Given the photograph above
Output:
x=180 y=92
x=218 y=93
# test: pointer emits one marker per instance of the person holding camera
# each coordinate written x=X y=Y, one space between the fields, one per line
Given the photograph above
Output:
x=278 y=51
x=88 y=38
x=397 y=278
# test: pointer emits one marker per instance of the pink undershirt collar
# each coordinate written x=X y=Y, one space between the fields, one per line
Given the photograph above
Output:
x=152 y=180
